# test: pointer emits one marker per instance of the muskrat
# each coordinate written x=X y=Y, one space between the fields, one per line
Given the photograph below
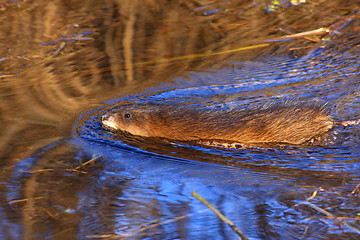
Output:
x=285 y=122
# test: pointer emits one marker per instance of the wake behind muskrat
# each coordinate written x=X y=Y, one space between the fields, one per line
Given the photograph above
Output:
x=288 y=122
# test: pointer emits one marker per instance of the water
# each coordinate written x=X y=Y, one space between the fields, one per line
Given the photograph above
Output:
x=94 y=184
x=141 y=188
x=258 y=189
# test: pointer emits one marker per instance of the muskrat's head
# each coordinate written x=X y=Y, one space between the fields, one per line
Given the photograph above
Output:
x=137 y=119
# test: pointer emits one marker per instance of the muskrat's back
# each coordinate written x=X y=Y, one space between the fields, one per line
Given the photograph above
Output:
x=289 y=122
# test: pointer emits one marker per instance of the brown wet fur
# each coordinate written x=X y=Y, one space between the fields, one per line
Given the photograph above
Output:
x=293 y=123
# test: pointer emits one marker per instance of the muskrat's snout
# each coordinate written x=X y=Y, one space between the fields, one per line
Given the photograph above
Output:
x=105 y=117
x=108 y=121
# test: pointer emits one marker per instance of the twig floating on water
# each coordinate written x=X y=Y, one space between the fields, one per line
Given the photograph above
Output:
x=356 y=189
x=299 y=35
x=134 y=232
x=205 y=54
x=220 y=215
x=323 y=211
x=332 y=29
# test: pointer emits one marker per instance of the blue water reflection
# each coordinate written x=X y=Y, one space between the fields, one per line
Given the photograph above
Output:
x=250 y=186
x=143 y=190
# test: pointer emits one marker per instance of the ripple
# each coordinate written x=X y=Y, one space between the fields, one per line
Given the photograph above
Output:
x=328 y=76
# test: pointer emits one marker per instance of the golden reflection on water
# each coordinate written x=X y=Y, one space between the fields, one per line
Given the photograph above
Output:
x=60 y=58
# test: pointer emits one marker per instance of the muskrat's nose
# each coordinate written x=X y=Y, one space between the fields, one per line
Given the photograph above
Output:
x=105 y=117
x=109 y=121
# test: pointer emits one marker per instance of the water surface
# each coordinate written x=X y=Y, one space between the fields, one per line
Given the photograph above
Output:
x=66 y=177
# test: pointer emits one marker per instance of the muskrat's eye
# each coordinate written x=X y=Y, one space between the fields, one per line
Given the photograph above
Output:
x=127 y=115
